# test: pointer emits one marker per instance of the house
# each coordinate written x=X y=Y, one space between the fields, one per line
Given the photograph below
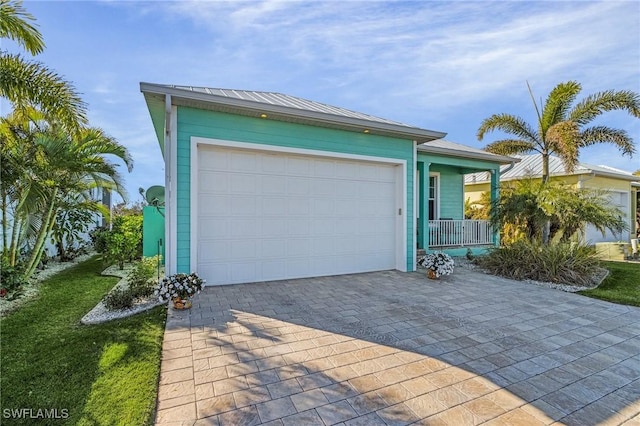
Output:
x=618 y=186
x=264 y=186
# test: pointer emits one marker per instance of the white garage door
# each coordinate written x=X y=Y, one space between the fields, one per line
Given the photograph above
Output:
x=268 y=216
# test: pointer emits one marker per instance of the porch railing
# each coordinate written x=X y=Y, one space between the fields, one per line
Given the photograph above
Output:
x=459 y=233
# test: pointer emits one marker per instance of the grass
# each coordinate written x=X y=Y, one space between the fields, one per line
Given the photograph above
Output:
x=103 y=374
x=621 y=286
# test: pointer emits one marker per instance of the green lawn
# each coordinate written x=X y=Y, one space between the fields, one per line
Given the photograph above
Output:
x=621 y=286
x=101 y=374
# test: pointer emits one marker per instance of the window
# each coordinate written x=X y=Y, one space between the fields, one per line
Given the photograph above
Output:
x=433 y=197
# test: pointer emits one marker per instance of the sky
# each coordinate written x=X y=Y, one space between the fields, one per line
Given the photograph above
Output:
x=441 y=66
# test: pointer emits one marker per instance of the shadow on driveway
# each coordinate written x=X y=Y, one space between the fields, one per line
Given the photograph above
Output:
x=392 y=348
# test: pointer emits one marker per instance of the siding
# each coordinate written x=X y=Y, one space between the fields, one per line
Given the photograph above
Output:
x=451 y=187
x=216 y=125
x=452 y=171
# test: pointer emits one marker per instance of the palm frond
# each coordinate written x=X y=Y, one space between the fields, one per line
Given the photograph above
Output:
x=31 y=84
x=95 y=141
x=510 y=147
x=609 y=100
x=14 y=25
x=603 y=134
x=510 y=124
x=564 y=140
x=559 y=103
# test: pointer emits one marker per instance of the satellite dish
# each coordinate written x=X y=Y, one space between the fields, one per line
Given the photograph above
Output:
x=155 y=195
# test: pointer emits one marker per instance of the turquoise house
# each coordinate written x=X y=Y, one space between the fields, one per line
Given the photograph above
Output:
x=263 y=186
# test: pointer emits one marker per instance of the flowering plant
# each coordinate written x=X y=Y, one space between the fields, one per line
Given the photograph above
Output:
x=182 y=286
x=440 y=263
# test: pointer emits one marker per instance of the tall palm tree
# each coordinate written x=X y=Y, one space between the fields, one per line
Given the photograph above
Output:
x=29 y=83
x=561 y=128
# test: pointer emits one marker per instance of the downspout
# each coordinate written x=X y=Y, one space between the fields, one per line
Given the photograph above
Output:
x=511 y=166
x=168 y=229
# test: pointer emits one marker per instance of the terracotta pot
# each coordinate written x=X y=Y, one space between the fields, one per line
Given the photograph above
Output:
x=181 y=303
x=431 y=274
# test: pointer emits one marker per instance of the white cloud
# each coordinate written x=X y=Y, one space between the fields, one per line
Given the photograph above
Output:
x=442 y=53
x=438 y=65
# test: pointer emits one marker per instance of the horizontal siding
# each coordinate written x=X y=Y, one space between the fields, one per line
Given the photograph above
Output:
x=208 y=124
x=451 y=187
x=216 y=125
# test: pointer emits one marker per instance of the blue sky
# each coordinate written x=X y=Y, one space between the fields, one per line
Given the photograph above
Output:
x=436 y=65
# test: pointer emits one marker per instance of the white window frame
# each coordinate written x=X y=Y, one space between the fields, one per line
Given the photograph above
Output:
x=436 y=199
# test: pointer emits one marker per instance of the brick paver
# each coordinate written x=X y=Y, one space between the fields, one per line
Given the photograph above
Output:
x=391 y=348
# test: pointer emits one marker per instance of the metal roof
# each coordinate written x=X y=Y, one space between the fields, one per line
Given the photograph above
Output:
x=531 y=165
x=442 y=146
x=278 y=106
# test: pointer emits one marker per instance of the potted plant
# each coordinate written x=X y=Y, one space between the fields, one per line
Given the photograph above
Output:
x=437 y=264
x=179 y=288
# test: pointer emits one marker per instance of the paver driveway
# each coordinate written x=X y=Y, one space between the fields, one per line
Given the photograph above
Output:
x=392 y=348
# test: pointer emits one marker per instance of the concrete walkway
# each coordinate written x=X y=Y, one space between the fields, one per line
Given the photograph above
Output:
x=392 y=348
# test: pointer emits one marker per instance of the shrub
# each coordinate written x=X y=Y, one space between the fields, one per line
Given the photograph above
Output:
x=99 y=239
x=123 y=242
x=566 y=263
x=141 y=277
x=12 y=279
x=119 y=299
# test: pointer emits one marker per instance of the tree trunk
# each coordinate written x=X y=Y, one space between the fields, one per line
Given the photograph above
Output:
x=62 y=254
x=546 y=229
x=545 y=166
x=38 y=248
x=5 y=225
x=16 y=238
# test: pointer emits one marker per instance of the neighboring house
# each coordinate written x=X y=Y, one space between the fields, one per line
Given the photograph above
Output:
x=617 y=184
x=264 y=186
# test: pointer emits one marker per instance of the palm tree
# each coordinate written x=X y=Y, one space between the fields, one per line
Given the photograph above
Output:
x=525 y=208
x=73 y=164
x=46 y=168
x=18 y=153
x=562 y=128
x=29 y=83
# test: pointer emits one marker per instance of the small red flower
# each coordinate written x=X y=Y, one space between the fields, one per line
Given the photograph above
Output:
x=3 y=292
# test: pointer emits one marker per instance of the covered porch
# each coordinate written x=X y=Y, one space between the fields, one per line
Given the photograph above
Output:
x=440 y=203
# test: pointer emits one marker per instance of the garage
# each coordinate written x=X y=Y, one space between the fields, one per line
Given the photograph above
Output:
x=264 y=186
x=263 y=215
